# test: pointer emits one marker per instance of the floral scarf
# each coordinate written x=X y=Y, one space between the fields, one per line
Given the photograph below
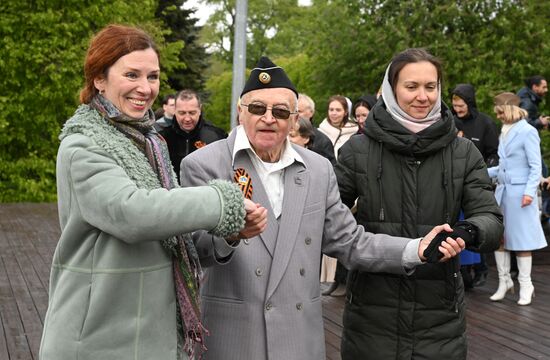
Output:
x=185 y=260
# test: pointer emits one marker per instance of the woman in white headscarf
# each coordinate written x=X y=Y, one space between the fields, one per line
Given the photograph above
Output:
x=409 y=171
x=338 y=125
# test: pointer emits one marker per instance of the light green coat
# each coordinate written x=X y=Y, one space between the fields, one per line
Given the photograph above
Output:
x=111 y=287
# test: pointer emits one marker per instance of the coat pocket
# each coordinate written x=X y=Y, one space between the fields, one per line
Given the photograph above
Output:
x=517 y=180
x=221 y=299
x=312 y=208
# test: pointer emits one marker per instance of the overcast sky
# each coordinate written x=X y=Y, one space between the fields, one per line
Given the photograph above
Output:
x=203 y=11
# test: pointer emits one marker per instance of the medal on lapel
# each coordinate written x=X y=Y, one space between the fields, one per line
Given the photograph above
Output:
x=244 y=181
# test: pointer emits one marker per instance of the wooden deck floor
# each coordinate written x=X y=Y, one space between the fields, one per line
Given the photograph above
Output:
x=29 y=233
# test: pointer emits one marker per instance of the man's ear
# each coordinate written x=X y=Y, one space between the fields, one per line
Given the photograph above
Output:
x=239 y=111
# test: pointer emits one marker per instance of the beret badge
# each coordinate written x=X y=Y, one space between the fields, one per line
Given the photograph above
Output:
x=264 y=78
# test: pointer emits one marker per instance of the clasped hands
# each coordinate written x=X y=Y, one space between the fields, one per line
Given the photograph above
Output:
x=255 y=221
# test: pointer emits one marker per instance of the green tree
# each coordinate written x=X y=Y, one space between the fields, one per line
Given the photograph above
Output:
x=42 y=47
x=217 y=108
x=491 y=44
x=344 y=46
x=183 y=27
x=271 y=29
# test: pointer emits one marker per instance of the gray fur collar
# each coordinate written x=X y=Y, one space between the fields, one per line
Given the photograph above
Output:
x=89 y=122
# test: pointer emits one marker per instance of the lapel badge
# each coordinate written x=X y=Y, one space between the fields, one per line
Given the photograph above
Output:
x=264 y=78
x=244 y=181
x=198 y=144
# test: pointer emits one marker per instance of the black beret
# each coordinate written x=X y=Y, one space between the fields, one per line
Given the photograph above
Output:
x=267 y=75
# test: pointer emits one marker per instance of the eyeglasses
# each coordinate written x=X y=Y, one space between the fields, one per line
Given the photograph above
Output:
x=278 y=113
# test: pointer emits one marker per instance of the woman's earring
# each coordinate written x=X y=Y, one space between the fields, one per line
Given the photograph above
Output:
x=101 y=92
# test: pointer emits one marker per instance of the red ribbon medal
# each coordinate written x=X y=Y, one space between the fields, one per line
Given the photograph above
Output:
x=244 y=181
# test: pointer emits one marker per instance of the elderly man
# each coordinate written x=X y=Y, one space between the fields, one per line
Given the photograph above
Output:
x=265 y=303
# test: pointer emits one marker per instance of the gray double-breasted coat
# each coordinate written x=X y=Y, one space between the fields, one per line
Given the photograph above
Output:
x=265 y=302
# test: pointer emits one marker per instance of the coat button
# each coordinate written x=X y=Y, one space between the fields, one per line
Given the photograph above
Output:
x=308 y=240
x=259 y=272
x=268 y=306
x=299 y=306
x=246 y=241
x=302 y=271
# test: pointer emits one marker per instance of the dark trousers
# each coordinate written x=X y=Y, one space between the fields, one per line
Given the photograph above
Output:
x=481 y=267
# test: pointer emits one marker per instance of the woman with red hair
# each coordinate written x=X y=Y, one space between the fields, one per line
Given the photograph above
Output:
x=125 y=273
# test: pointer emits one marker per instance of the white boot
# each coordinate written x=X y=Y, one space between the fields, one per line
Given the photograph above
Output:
x=526 y=288
x=505 y=283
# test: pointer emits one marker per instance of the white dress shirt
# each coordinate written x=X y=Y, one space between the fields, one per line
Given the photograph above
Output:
x=271 y=174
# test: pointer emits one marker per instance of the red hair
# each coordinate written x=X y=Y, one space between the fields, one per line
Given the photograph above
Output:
x=107 y=46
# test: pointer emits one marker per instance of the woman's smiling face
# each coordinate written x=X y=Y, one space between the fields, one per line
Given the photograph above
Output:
x=132 y=82
x=336 y=113
x=417 y=89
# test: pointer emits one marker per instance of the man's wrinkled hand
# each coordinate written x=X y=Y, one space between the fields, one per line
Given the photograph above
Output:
x=255 y=220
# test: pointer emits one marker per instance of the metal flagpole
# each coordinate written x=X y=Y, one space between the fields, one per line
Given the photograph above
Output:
x=239 y=57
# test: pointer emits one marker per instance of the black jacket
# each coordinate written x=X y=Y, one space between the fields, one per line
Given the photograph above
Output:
x=323 y=146
x=477 y=126
x=530 y=101
x=181 y=143
x=405 y=184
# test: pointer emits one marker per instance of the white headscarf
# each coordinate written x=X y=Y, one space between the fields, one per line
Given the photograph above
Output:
x=412 y=124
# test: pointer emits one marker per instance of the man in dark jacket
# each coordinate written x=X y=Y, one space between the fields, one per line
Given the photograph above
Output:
x=531 y=95
x=322 y=145
x=168 y=108
x=477 y=126
x=481 y=130
x=190 y=131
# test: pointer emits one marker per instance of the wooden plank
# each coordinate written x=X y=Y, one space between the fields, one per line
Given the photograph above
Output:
x=35 y=272
x=3 y=345
x=16 y=340
x=28 y=314
x=496 y=330
x=29 y=233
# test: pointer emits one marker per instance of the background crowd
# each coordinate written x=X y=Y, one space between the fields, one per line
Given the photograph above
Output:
x=329 y=47
x=403 y=184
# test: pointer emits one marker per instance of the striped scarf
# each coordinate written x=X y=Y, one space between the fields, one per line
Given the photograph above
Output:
x=185 y=260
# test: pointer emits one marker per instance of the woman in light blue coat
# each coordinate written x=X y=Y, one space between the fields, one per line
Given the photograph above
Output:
x=518 y=175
